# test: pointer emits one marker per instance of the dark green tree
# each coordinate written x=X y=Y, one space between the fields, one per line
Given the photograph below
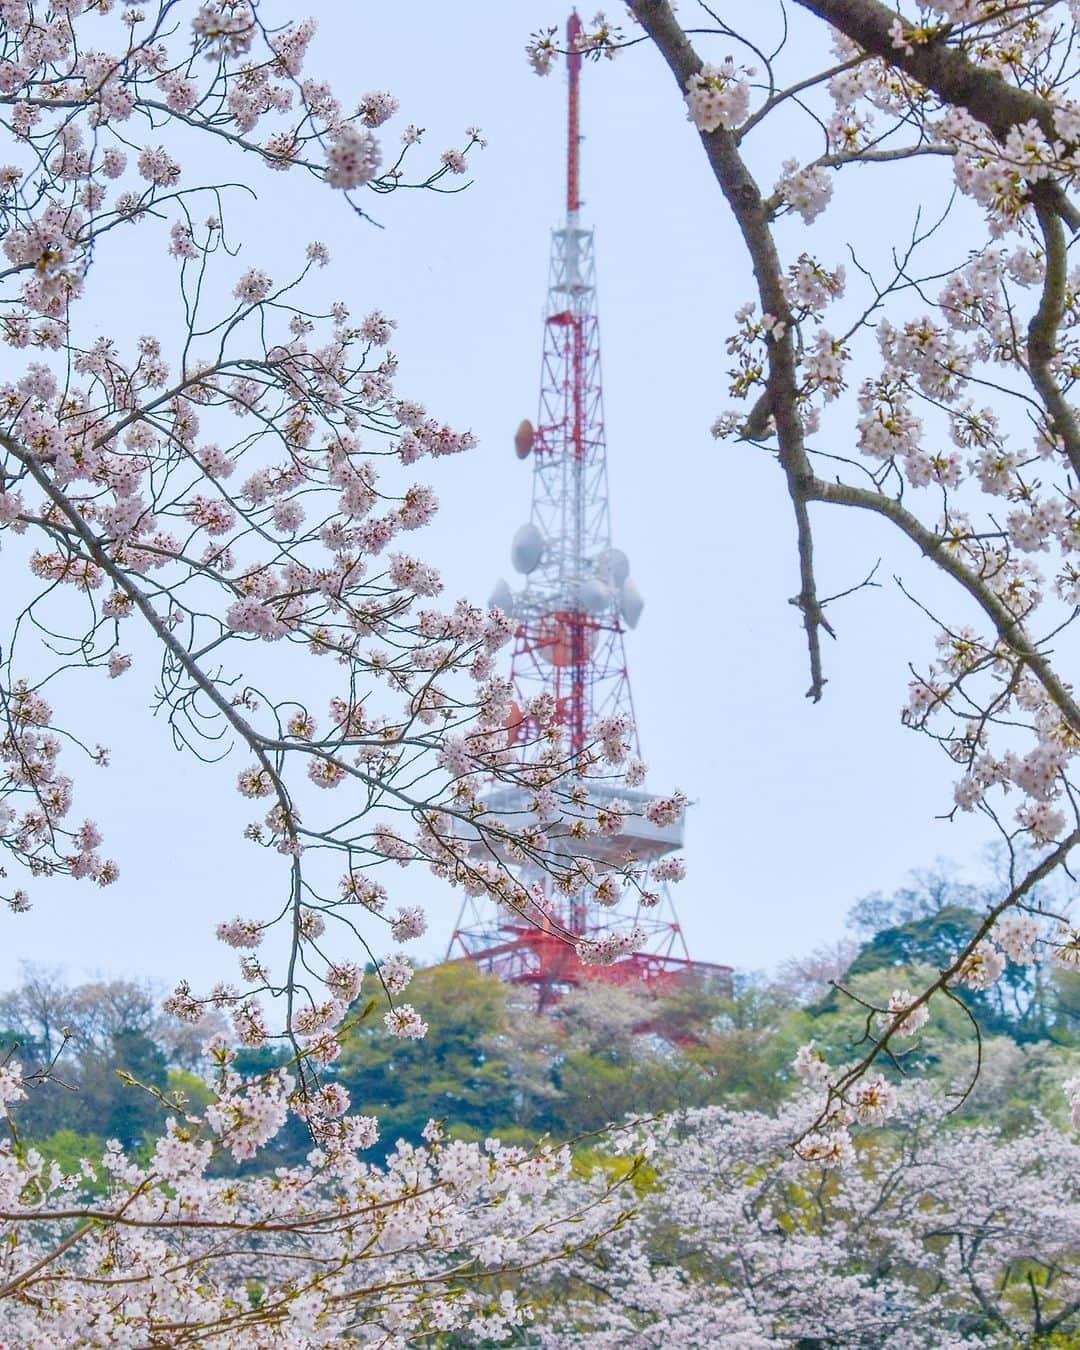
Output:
x=454 y=1074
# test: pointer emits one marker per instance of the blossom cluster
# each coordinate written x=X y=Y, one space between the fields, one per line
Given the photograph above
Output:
x=922 y=1231
x=409 y=1243
x=718 y=96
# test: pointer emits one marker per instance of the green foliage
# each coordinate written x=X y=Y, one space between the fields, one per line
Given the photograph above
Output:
x=452 y=1074
x=98 y=1050
x=491 y=1065
x=68 y=1147
x=185 y=1086
x=935 y=940
x=131 y=1113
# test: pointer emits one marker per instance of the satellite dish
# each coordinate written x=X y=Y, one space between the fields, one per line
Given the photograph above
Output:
x=593 y=596
x=501 y=597
x=630 y=603
x=613 y=566
x=527 y=548
x=524 y=438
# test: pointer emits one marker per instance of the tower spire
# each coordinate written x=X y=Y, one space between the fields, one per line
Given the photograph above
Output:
x=573 y=134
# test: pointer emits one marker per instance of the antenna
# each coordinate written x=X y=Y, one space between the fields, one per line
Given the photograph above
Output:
x=573 y=135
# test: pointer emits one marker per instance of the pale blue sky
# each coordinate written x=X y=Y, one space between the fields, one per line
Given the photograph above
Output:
x=798 y=809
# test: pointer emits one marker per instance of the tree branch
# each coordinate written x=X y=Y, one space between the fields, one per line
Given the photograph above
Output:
x=1043 y=331
x=956 y=80
x=1009 y=628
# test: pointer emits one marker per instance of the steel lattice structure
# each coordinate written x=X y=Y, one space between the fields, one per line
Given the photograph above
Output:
x=571 y=616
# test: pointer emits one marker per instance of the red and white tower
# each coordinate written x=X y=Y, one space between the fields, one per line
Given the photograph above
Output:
x=576 y=601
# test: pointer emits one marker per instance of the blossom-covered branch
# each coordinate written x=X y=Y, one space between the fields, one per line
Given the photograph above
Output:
x=961 y=432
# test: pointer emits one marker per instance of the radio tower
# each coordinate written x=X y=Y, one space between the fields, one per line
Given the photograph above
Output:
x=571 y=612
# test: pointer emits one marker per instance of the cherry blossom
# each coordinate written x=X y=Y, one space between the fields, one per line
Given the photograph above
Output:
x=145 y=1224
x=930 y=394
x=913 y=1017
x=919 y=1241
x=718 y=96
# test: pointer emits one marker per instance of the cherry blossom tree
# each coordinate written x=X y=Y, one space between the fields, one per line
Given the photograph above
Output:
x=934 y=393
x=230 y=499
x=932 y=1237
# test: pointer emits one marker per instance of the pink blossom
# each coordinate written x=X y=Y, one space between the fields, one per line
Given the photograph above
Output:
x=409 y=922
x=899 y=1002
x=249 y=1024
x=1072 y=1095
x=1016 y=933
x=377 y=107
x=253 y=286
x=807 y=190
x=157 y=166
x=227 y=26
x=405 y=1021
x=811 y=1065
x=981 y=967
x=118 y=663
x=873 y=1100
x=358 y=888
x=241 y=932
x=663 y=811
x=831 y=1150
x=344 y=979
x=542 y=51
x=353 y=158
x=454 y=160
x=395 y=973
x=11 y=1086
x=718 y=96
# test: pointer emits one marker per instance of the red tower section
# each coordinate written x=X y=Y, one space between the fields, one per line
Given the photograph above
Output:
x=572 y=611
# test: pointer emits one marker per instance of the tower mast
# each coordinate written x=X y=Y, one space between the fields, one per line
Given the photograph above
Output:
x=571 y=615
